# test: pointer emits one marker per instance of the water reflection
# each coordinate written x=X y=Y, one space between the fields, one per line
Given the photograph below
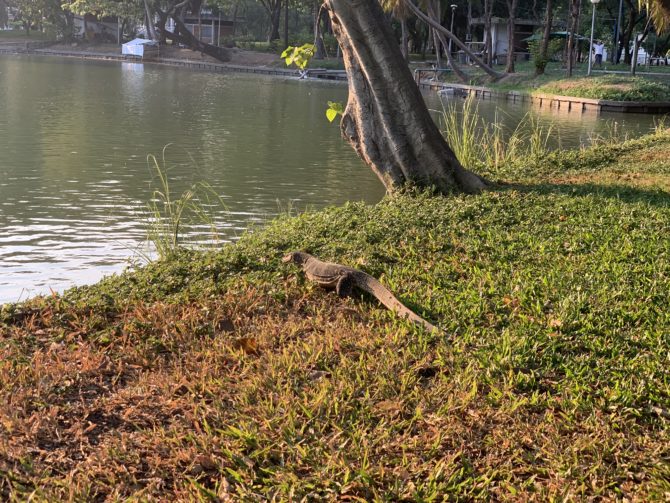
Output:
x=74 y=140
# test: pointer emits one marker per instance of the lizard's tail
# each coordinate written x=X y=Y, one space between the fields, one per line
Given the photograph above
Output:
x=374 y=287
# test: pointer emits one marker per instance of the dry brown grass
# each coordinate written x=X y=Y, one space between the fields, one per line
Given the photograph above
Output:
x=182 y=399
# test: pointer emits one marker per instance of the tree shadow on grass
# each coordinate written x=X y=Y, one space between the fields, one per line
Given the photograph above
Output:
x=626 y=193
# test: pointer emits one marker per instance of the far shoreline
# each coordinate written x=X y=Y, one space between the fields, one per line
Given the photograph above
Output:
x=254 y=62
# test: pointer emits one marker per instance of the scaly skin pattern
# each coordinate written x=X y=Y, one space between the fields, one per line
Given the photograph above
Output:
x=343 y=279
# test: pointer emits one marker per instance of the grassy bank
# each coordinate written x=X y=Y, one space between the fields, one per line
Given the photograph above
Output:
x=226 y=375
x=602 y=85
x=609 y=87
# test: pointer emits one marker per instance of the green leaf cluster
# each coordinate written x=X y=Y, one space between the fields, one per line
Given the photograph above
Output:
x=298 y=56
x=335 y=108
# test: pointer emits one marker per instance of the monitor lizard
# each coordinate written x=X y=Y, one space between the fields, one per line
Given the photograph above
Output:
x=344 y=279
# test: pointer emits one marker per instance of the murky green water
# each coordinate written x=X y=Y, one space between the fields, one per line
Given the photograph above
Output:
x=74 y=137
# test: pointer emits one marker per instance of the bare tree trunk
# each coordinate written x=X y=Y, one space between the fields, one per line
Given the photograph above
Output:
x=436 y=39
x=404 y=40
x=149 y=21
x=488 y=12
x=183 y=36
x=452 y=64
x=386 y=120
x=285 y=24
x=273 y=9
x=511 y=28
x=636 y=47
x=544 y=48
x=321 y=51
x=574 y=18
x=432 y=23
x=628 y=34
x=4 y=15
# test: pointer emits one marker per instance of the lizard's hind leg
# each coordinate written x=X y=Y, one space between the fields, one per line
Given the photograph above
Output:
x=345 y=285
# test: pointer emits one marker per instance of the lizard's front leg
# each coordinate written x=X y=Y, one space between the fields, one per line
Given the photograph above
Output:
x=345 y=285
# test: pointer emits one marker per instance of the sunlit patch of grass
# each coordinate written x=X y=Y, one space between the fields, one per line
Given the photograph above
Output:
x=228 y=375
x=609 y=87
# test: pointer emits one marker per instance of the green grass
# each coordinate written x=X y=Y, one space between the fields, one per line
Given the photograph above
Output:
x=226 y=374
x=20 y=35
x=610 y=87
x=600 y=85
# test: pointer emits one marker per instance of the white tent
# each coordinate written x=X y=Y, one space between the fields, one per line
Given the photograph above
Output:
x=136 y=47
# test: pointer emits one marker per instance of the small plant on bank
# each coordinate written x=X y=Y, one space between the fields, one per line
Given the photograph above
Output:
x=480 y=144
x=169 y=217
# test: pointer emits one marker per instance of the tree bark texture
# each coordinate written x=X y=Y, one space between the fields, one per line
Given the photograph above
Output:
x=386 y=120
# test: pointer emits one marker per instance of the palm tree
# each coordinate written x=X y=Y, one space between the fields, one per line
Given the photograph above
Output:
x=659 y=12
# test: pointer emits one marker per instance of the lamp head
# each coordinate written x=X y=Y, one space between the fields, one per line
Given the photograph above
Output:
x=453 y=6
x=595 y=2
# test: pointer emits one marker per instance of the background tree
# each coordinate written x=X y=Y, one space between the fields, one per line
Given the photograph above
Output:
x=546 y=33
x=511 y=39
x=575 y=6
x=400 y=12
x=273 y=9
x=4 y=14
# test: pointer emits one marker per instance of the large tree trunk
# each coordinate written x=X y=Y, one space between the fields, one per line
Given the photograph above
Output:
x=386 y=120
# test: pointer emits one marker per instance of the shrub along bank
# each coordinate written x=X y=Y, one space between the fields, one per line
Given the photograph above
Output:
x=226 y=375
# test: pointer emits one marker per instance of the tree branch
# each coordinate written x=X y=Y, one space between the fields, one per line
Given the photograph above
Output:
x=420 y=14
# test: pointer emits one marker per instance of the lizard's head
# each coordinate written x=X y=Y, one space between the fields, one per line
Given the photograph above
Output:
x=295 y=257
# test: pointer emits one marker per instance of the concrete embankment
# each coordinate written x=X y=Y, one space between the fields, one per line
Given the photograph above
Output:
x=563 y=103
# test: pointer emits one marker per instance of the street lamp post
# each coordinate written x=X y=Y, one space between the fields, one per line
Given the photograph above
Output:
x=453 y=11
x=593 y=26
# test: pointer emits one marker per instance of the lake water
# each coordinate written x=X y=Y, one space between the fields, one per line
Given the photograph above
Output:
x=74 y=140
